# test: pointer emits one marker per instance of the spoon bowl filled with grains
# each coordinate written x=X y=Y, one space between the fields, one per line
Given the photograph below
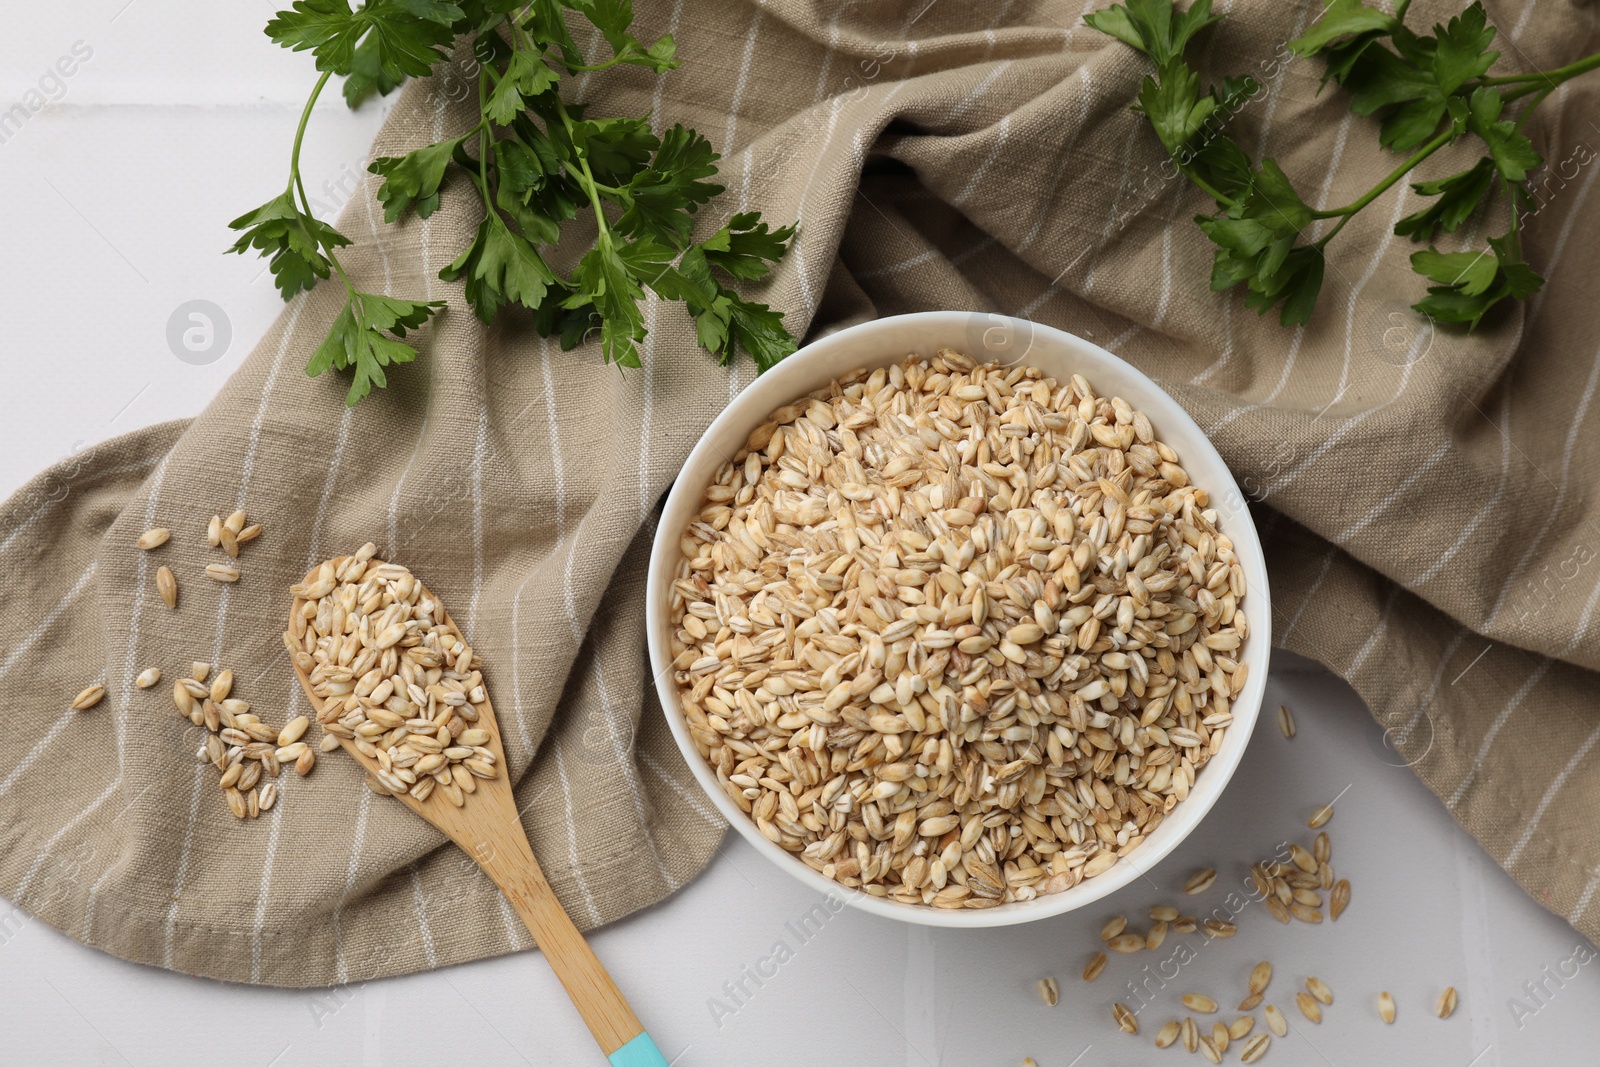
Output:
x=960 y=618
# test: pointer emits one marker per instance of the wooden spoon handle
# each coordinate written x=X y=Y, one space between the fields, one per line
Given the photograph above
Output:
x=510 y=862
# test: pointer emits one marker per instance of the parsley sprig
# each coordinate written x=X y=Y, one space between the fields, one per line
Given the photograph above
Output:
x=1427 y=91
x=536 y=162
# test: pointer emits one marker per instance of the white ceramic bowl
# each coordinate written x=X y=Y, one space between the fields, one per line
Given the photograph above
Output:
x=982 y=336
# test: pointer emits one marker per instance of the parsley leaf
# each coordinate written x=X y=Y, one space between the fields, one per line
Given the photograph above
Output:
x=1474 y=282
x=1153 y=26
x=1341 y=18
x=663 y=197
x=500 y=267
x=358 y=341
x=1513 y=154
x=1459 y=196
x=293 y=243
x=527 y=76
x=413 y=179
x=406 y=35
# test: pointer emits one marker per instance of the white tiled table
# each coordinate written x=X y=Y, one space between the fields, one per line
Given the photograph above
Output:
x=118 y=194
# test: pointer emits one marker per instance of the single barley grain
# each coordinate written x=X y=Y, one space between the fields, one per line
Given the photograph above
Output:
x=1199 y=1002
x=1308 y=1007
x=1255 y=1048
x=1158 y=934
x=222 y=685
x=88 y=698
x=154 y=537
x=1049 y=991
x=249 y=533
x=1240 y=1028
x=237 y=803
x=1305 y=912
x=1219 y=1036
x=1446 y=1005
x=1164 y=913
x=1260 y=977
x=293 y=730
x=269 y=796
x=148 y=677
x=1219 y=928
x=1096 y=964
x=231 y=776
x=1185 y=924
x=328 y=743
x=222 y=572
x=1114 y=926
x=199 y=670
x=234 y=522
x=1320 y=817
x=167 y=586
x=1200 y=881
x=1249 y=1003
x=1322 y=850
x=1125 y=1018
x=1168 y=1034
x=214 y=531
x=1210 y=1051
x=1339 y=898
x=1189 y=1035
x=1286 y=721
x=230 y=542
x=1319 y=989
x=1126 y=943
x=1386 y=1007
x=252 y=801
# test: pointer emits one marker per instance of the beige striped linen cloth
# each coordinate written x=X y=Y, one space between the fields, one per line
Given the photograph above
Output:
x=1427 y=498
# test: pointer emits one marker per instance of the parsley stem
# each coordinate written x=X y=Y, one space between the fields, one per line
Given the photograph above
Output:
x=298 y=185
x=1343 y=213
x=300 y=131
x=586 y=178
x=1535 y=80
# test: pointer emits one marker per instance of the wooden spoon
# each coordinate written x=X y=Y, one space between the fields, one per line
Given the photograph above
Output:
x=488 y=828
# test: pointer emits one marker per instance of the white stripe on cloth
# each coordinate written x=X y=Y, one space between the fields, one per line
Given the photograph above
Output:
x=44 y=625
x=661 y=79
x=427 y=410
x=1418 y=472
x=1550 y=794
x=1047 y=206
x=977 y=92
x=1484 y=512
x=1372 y=640
x=1515 y=574
x=573 y=862
x=685 y=795
x=480 y=447
x=1438 y=678
x=743 y=81
x=1494 y=729
x=351 y=870
x=44 y=509
x=1000 y=139
x=247 y=466
x=1306 y=598
x=423 y=926
x=1582 y=906
x=630 y=774
x=129 y=670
